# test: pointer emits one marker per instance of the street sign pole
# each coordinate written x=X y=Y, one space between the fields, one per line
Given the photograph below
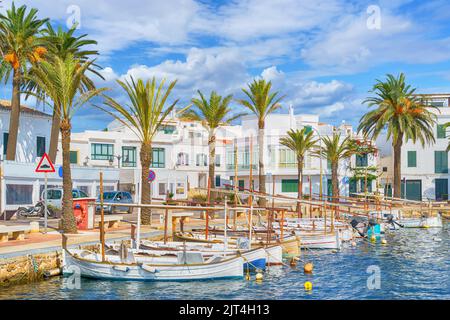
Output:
x=45 y=205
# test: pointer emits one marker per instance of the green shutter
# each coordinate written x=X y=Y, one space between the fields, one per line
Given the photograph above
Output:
x=362 y=160
x=74 y=157
x=412 y=159
x=440 y=131
x=290 y=185
x=440 y=162
x=40 y=146
x=5 y=142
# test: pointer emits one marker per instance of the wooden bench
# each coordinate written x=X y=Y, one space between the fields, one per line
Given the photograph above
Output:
x=16 y=232
x=111 y=221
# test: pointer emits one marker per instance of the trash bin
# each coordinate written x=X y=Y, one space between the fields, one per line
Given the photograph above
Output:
x=84 y=213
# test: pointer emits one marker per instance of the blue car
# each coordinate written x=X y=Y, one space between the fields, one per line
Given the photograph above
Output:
x=121 y=197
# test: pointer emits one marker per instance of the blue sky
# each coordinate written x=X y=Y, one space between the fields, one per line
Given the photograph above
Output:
x=324 y=55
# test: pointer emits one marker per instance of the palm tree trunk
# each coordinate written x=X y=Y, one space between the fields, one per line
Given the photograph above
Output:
x=397 y=166
x=14 y=117
x=212 y=162
x=146 y=160
x=69 y=223
x=54 y=134
x=300 y=186
x=262 y=177
x=335 y=181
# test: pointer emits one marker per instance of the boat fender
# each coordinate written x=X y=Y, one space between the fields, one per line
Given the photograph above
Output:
x=121 y=268
x=149 y=269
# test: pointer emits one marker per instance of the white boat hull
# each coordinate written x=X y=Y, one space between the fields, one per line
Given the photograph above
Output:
x=92 y=267
x=320 y=241
x=426 y=222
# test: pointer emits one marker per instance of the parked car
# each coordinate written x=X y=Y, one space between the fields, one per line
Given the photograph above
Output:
x=116 y=197
x=54 y=196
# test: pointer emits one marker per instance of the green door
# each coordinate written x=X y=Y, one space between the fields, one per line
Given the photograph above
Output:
x=413 y=190
x=388 y=190
x=352 y=188
x=441 y=189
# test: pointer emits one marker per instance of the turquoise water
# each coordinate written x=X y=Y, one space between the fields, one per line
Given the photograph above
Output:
x=413 y=265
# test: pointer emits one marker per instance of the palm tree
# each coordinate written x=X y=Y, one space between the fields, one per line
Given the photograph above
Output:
x=299 y=141
x=60 y=43
x=144 y=116
x=212 y=113
x=335 y=150
x=262 y=102
x=403 y=114
x=62 y=81
x=19 y=46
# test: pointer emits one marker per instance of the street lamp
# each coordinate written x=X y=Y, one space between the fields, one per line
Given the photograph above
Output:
x=111 y=160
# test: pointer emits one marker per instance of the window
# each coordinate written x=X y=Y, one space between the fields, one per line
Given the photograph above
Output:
x=385 y=169
x=19 y=194
x=40 y=146
x=290 y=185
x=412 y=159
x=436 y=103
x=5 y=142
x=241 y=184
x=440 y=131
x=182 y=159
x=361 y=160
x=201 y=160
x=218 y=181
x=440 y=162
x=54 y=194
x=74 y=157
x=158 y=158
x=162 y=188
x=287 y=159
x=129 y=157
x=217 y=160
x=101 y=151
x=84 y=189
x=167 y=129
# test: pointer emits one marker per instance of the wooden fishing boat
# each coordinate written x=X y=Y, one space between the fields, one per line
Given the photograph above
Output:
x=320 y=240
x=253 y=259
x=289 y=244
x=422 y=222
x=190 y=266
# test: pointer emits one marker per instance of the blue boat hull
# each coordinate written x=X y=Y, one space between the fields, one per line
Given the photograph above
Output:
x=255 y=264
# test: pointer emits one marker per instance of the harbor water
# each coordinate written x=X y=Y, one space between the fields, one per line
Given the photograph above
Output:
x=414 y=264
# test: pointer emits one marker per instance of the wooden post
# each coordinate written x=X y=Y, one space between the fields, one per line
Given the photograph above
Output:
x=310 y=197
x=166 y=218
x=102 y=217
x=250 y=198
x=325 y=218
x=236 y=182
x=282 y=225
x=207 y=211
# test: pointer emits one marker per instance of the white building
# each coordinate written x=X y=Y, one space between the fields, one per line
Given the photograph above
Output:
x=281 y=164
x=179 y=159
x=425 y=169
x=19 y=184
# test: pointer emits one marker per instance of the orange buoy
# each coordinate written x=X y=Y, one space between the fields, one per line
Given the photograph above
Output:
x=308 y=267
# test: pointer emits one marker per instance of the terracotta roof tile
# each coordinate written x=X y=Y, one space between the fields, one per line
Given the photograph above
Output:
x=6 y=105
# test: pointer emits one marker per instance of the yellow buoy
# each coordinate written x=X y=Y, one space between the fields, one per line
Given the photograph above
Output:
x=247 y=277
x=293 y=262
x=426 y=226
x=353 y=244
x=383 y=241
x=308 y=267
x=308 y=286
x=373 y=238
x=259 y=276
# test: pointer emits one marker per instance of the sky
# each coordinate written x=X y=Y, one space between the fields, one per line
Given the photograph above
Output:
x=322 y=55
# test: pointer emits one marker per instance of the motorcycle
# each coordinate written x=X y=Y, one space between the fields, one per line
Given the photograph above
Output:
x=37 y=210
